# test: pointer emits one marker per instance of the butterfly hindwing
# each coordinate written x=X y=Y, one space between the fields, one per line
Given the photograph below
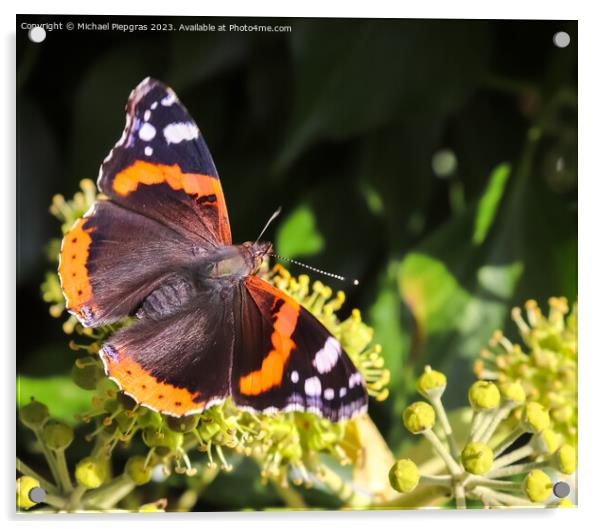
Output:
x=161 y=167
x=285 y=359
x=177 y=365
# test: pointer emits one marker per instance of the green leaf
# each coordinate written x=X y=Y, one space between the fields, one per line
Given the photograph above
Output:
x=63 y=398
x=488 y=205
x=454 y=321
x=298 y=235
x=431 y=291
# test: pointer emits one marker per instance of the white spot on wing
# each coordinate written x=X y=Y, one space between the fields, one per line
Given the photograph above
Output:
x=177 y=132
x=327 y=357
x=147 y=115
x=148 y=150
x=147 y=132
x=154 y=105
x=329 y=393
x=355 y=380
x=313 y=388
x=169 y=99
x=295 y=377
x=342 y=392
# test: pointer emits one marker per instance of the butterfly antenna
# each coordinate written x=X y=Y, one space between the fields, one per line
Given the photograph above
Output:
x=274 y=215
x=355 y=282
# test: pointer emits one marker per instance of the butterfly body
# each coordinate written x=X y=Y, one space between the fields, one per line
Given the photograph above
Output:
x=206 y=326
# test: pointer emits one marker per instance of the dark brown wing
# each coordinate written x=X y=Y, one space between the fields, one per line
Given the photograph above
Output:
x=177 y=365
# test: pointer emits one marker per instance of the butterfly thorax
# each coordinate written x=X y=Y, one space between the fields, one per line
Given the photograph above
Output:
x=235 y=262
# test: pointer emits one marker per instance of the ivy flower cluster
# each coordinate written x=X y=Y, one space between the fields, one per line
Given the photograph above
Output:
x=287 y=446
x=547 y=368
x=524 y=421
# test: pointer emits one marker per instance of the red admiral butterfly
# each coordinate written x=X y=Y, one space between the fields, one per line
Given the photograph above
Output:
x=160 y=249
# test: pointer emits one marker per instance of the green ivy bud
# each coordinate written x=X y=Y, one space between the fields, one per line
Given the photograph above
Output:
x=25 y=484
x=182 y=424
x=91 y=472
x=207 y=429
x=404 y=475
x=563 y=414
x=484 y=395
x=165 y=438
x=87 y=375
x=139 y=473
x=418 y=417
x=34 y=414
x=546 y=442
x=107 y=386
x=535 y=417
x=566 y=459
x=173 y=440
x=431 y=384
x=146 y=417
x=57 y=435
x=355 y=334
x=152 y=437
x=292 y=451
x=537 y=486
x=477 y=458
x=513 y=392
x=111 y=406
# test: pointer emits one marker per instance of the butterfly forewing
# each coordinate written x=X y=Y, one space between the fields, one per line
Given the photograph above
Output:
x=161 y=167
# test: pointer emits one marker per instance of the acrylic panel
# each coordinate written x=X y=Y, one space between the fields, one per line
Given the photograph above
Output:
x=398 y=331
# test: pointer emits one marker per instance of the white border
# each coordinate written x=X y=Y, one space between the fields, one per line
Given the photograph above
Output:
x=590 y=119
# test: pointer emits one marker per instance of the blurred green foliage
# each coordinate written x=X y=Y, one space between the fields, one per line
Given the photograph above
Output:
x=338 y=122
x=64 y=399
x=298 y=235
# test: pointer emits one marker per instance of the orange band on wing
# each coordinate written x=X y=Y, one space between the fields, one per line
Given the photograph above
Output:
x=147 y=390
x=73 y=269
x=271 y=371
x=141 y=172
x=200 y=186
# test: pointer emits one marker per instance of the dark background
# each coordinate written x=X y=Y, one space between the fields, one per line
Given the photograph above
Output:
x=338 y=122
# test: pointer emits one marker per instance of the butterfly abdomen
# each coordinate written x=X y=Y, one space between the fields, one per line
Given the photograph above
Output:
x=168 y=299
